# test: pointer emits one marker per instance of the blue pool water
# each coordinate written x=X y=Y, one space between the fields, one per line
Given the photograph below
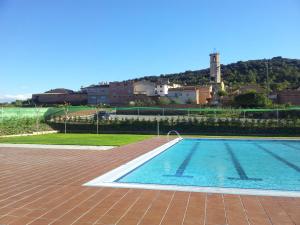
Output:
x=254 y=164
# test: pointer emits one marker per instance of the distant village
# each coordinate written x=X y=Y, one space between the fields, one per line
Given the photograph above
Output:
x=145 y=92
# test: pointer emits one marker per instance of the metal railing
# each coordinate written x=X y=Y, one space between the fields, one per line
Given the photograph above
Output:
x=174 y=131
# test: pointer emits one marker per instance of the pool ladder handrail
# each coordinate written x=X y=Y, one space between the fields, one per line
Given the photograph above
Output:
x=175 y=131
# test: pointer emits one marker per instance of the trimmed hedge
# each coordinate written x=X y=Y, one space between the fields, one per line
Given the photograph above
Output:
x=187 y=126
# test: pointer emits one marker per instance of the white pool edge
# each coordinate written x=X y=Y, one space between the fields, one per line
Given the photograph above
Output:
x=120 y=171
x=108 y=179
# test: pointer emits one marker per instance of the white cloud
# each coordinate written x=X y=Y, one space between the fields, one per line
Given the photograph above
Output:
x=11 y=98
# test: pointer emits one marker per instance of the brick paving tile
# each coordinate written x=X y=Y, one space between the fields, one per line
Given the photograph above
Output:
x=62 y=209
x=36 y=213
x=80 y=209
x=50 y=196
x=235 y=213
x=73 y=191
x=120 y=208
x=292 y=208
x=277 y=215
x=44 y=186
x=20 y=196
x=19 y=212
x=105 y=205
x=4 y=211
x=254 y=211
x=7 y=219
x=21 y=221
x=29 y=198
x=139 y=208
x=40 y=222
x=158 y=208
x=177 y=209
x=215 y=211
x=195 y=213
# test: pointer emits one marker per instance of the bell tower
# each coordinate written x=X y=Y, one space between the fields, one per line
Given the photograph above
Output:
x=215 y=68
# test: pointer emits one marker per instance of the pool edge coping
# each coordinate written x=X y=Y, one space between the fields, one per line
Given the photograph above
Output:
x=120 y=171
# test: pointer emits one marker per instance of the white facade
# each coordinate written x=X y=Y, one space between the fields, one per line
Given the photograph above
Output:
x=148 y=88
x=162 y=89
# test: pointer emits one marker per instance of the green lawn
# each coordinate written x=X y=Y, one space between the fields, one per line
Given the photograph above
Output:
x=77 y=139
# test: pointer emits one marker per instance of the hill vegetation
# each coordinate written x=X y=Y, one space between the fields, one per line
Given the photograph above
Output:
x=283 y=73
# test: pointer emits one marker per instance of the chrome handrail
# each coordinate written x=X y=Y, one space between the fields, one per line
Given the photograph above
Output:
x=176 y=132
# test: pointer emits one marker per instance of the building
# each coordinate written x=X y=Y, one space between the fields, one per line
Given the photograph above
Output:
x=163 y=86
x=191 y=94
x=205 y=94
x=144 y=87
x=97 y=94
x=162 y=89
x=121 y=93
x=289 y=97
x=215 y=68
x=60 y=96
x=148 y=88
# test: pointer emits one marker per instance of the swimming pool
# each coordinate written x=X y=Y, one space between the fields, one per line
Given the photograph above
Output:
x=217 y=164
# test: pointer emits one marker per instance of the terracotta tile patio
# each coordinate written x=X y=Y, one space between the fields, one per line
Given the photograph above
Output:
x=39 y=186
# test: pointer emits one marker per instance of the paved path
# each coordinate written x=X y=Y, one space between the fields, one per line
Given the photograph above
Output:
x=69 y=147
x=44 y=186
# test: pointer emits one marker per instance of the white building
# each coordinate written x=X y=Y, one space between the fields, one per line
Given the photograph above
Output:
x=148 y=88
x=163 y=86
x=161 y=89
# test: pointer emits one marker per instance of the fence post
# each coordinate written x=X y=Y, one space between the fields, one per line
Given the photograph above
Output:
x=2 y=114
x=157 y=119
x=97 y=113
x=66 y=110
x=97 y=123
x=215 y=115
x=277 y=115
x=37 y=118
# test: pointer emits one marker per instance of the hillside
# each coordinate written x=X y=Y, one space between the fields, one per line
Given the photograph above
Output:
x=283 y=73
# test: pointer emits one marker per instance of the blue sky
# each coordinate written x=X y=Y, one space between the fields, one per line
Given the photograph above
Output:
x=46 y=44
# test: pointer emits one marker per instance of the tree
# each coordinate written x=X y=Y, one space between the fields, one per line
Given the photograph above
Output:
x=280 y=86
x=164 y=101
x=18 y=103
x=251 y=99
x=222 y=93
